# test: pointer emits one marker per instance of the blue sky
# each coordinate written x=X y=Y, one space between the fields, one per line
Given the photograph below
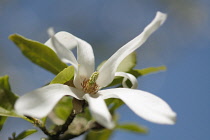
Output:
x=182 y=44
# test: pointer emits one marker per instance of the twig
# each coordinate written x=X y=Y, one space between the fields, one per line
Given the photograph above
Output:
x=92 y=126
x=61 y=130
x=78 y=107
x=64 y=127
x=40 y=125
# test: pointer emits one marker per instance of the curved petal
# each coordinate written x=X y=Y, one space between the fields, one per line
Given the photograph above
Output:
x=85 y=57
x=86 y=60
x=60 y=42
x=128 y=76
x=40 y=102
x=144 y=104
x=99 y=111
x=110 y=66
x=66 y=40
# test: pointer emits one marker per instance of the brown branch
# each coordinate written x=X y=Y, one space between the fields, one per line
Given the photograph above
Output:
x=39 y=124
x=78 y=107
x=92 y=126
x=63 y=128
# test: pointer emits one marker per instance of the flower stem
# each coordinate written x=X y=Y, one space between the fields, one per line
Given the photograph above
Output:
x=40 y=124
x=57 y=134
x=62 y=129
x=92 y=126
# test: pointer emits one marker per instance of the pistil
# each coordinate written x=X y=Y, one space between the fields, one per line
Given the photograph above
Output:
x=89 y=85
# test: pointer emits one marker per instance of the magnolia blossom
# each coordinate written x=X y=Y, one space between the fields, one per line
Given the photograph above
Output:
x=88 y=83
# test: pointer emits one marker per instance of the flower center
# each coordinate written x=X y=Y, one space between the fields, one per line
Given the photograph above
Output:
x=89 y=85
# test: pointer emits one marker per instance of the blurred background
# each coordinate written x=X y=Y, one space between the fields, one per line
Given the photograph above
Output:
x=182 y=44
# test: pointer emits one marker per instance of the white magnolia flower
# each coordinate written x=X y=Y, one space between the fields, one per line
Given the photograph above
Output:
x=87 y=83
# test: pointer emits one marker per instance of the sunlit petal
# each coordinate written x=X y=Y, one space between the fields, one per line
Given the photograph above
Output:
x=109 y=68
x=144 y=104
x=99 y=111
x=127 y=76
x=40 y=102
x=86 y=60
x=60 y=43
x=67 y=40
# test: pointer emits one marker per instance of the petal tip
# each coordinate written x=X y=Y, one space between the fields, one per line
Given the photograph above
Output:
x=170 y=119
x=173 y=118
x=161 y=16
x=50 y=31
x=110 y=125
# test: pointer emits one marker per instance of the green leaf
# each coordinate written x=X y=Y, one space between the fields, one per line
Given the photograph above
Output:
x=8 y=113
x=146 y=71
x=64 y=76
x=114 y=104
x=39 y=53
x=133 y=128
x=25 y=134
x=7 y=99
x=116 y=81
x=4 y=113
x=86 y=114
x=99 y=135
x=126 y=65
x=63 y=108
x=4 y=82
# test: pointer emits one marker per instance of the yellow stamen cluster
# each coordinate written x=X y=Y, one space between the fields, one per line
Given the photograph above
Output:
x=89 y=85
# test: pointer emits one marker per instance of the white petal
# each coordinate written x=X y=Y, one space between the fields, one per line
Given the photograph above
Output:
x=110 y=66
x=86 y=60
x=99 y=111
x=144 y=104
x=40 y=102
x=60 y=42
x=128 y=76
x=85 y=57
x=66 y=40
